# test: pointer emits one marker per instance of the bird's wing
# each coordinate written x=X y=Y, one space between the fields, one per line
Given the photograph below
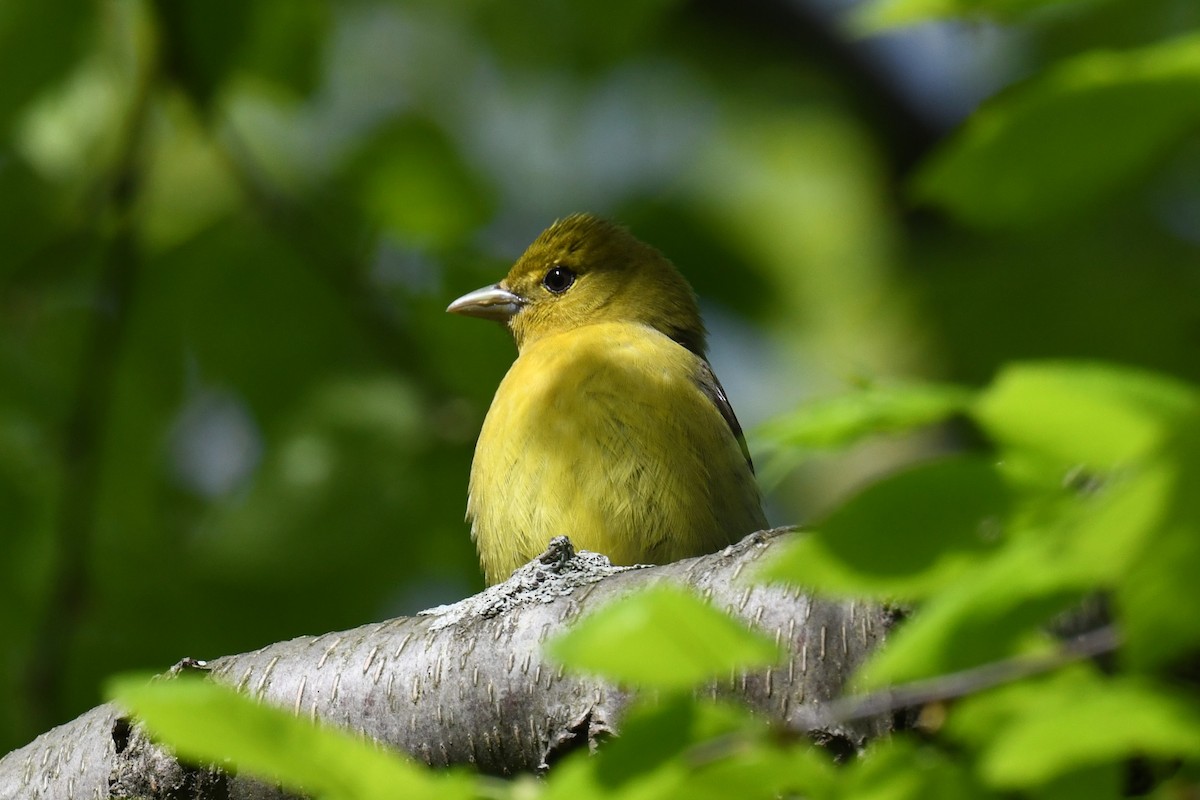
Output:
x=707 y=381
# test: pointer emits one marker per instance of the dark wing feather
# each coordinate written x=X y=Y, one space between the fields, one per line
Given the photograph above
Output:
x=706 y=379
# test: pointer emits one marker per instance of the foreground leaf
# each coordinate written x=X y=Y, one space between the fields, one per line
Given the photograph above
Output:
x=1096 y=415
x=208 y=723
x=904 y=537
x=664 y=638
x=1056 y=144
x=1100 y=722
x=843 y=420
x=993 y=612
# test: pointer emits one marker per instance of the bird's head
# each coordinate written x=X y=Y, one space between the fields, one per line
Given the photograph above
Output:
x=583 y=270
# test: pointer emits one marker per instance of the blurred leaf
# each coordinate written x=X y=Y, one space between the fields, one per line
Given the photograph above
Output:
x=827 y=251
x=39 y=43
x=801 y=771
x=1082 y=414
x=694 y=749
x=645 y=761
x=843 y=420
x=1060 y=142
x=656 y=734
x=906 y=536
x=286 y=42
x=1067 y=730
x=586 y=36
x=29 y=218
x=670 y=639
x=188 y=185
x=416 y=186
x=881 y=15
x=991 y=612
x=1157 y=592
x=900 y=769
x=1106 y=781
x=202 y=40
x=1109 y=528
x=208 y=723
x=977 y=719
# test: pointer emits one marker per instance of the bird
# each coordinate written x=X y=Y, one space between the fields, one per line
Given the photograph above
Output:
x=610 y=427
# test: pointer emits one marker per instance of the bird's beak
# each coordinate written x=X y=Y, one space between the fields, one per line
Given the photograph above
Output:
x=490 y=302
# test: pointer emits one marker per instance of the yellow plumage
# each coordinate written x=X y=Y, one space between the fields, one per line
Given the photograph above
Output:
x=610 y=427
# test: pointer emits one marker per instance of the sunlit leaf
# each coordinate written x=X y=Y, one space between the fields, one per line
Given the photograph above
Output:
x=801 y=771
x=882 y=15
x=417 y=187
x=286 y=41
x=994 y=611
x=1068 y=138
x=202 y=41
x=1157 y=592
x=39 y=43
x=1081 y=414
x=694 y=749
x=209 y=723
x=845 y=419
x=1119 y=718
x=669 y=639
x=904 y=537
x=901 y=769
x=975 y=721
x=591 y=34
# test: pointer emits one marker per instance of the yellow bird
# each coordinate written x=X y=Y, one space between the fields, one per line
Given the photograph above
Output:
x=610 y=427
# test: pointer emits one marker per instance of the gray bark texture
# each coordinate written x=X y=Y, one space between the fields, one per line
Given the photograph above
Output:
x=467 y=683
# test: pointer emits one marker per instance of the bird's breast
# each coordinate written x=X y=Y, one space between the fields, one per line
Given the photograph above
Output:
x=603 y=435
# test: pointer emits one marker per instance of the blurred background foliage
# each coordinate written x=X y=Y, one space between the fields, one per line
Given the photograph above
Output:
x=232 y=409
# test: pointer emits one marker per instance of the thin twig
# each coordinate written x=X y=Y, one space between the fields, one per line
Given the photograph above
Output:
x=967 y=682
x=918 y=693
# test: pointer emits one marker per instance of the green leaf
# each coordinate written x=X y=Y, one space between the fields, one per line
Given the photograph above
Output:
x=764 y=772
x=882 y=15
x=898 y=769
x=1095 y=415
x=1105 y=531
x=992 y=612
x=843 y=420
x=586 y=36
x=205 y=722
x=286 y=42
x=413 y=182
x=668 y=639
x=905 y=537
x=1068 y=730
x=1156 y=595
x=1105 y=781
x=1064 y=140
x=661 y=732
x=976 y=720
x=695 y=749
x=203 y=41
x=39 y=43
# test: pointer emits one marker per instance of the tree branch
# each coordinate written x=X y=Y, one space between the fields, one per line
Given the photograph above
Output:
x=467 y=683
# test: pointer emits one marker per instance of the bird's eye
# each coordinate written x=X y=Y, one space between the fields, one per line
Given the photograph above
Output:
x=558 y=279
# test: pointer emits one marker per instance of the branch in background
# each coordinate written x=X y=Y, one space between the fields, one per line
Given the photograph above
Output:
x=83 y=430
